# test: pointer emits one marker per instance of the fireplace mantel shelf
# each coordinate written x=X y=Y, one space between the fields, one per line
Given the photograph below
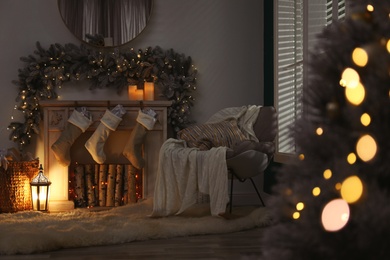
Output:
x=56 y=114
x=104 y=103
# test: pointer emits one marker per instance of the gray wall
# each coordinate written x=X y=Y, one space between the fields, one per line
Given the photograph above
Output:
x=223 y=37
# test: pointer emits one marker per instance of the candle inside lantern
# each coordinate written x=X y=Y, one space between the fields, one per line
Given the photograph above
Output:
x=149 y=91
x=135 y=93
x=40 y=189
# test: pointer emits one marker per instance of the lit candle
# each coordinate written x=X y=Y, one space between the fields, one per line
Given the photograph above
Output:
x=135 y=93
x=149 y=90
x=139 y=94
x=131 y=92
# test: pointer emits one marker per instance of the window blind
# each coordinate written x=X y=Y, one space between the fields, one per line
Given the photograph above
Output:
x=296 y=25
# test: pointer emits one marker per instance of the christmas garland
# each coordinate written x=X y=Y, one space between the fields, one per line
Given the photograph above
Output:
x=48 y=69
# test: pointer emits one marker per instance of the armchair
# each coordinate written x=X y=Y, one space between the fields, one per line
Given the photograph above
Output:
x=250 y=158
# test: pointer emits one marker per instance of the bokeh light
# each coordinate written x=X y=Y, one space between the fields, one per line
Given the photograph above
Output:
x=301 y=157
x=355 y=95
x=351 y=158
x=350 y=78
x=335 y=215
x=370 y=8
x=352 y=189
x=296 y=215
x=327 y=174
x=319 y=131
x=337 y=186
x=360 y=57
x=300 y=206
x=366 y=148
x=365 y=119
x=316 y=191
x=388 y=46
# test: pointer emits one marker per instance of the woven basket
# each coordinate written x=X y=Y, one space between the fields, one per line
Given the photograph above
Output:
x=15 y=192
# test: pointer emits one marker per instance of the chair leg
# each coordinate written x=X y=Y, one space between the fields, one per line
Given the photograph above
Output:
x=231 y=194
x=258 y=193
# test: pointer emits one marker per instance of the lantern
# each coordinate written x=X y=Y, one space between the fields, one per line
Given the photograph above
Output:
x=40 y=190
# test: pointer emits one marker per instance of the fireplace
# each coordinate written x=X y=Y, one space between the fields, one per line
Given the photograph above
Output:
x=56 y=114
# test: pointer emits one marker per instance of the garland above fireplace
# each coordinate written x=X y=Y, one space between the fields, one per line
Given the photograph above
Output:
x=48 y=69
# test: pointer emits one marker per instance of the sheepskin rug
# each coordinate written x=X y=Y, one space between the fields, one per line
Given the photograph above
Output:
x=29 y=232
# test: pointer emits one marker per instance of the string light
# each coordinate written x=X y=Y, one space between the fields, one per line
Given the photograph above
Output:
x=319 y=131
x=335 y=215
x=370 y=8
x=360 y=57
x=349 y=78
x=316 y=191
x=351 y=158
x=351 y=189
x=365 y=119
x=327 y=174
x=366 y=148
x=355 y=95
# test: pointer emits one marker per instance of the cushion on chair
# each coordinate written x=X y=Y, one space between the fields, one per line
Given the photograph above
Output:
x=246 y=145
x=248 y=164
x=206 y=136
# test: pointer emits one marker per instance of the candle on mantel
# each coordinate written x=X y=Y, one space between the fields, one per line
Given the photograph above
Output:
x=139 y=94
x=134 y=93
x=149 y=91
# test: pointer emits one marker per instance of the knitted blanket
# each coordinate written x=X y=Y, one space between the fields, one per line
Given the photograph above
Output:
x=183 y=172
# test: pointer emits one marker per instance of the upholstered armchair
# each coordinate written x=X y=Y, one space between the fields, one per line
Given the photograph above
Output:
x=235 y=141
x=250 y=158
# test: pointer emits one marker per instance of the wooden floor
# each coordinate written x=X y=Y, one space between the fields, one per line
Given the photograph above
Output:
x=240 y=245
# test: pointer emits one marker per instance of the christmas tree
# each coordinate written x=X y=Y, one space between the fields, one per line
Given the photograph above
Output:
x=333 y=200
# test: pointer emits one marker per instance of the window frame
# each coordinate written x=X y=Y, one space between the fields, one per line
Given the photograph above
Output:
x=333 y=10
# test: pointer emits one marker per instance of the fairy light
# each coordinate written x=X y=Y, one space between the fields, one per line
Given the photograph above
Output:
x=327 y=174
x=316 y=191
x=351 y=158
x=355 y=95
x=335 y=215
x=366 y=148
x=349 y=78
x=319 y=131
x=360 y=57
x=300 y=206
x=301 y=157
x=296 y=215
x=351 y=189
x=370 y=8
x=365 y=119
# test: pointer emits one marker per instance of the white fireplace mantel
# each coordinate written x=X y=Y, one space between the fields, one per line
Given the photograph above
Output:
x=56 y=114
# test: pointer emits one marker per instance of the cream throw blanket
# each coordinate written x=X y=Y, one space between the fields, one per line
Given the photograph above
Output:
x=183 y=172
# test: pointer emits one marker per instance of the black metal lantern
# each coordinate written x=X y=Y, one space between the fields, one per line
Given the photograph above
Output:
x=40 y=191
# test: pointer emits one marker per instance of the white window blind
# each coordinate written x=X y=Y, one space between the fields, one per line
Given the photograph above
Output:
x=296 y=24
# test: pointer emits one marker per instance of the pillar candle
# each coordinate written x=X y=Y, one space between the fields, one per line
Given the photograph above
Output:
x=135 y=93
x=131 y=92
x=149 y=91
x=139 y=94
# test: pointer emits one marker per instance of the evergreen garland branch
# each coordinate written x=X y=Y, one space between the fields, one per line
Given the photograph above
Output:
x=48 y=69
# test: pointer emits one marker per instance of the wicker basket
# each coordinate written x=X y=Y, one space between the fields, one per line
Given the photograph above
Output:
x=15 y=192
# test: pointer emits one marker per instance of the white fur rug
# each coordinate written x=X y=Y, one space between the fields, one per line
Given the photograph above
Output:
x=31 y=232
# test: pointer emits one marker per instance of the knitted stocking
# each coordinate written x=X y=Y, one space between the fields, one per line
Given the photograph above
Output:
x=78 y=122
x=133 y=149
x=108 y=123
